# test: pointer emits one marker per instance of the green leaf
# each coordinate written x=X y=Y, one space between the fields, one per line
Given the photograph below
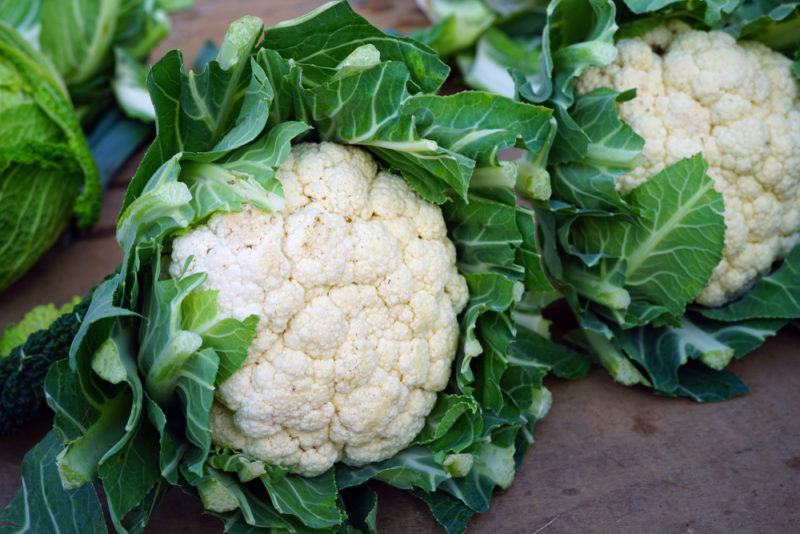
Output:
x=77 y=35
x=431 y=171
x=128 y=467
x=520 y=386
x=130 y=87
x=214 y=188
x=496 y=333
x=278 y=71
x=243 y=176
x=98 y=434
x=131 y=474
x=261 y=158
x=487 y=292
x=568 y=49
x=171 y=447
x=142 y=26
x=528 y=311
x=775 y=24
x=495 y=54
x=486 y=237
x=195 y=387
x=666 y=258
x=415 y=467
x=78 y=464
x=571 y=143
x=320 y=40
x=176 y=5
x=477 y=124
x=162 y=207
x=776 y=296
x=165 y=347
x=220 y=109
x=245 y=467
x=457 y=24
x=362 y=58
x=522 y=9
x=72 y=413
x=218 y=490
x=35 y=208
x=137 y=519
x=714 y=9
x=612 y=149
x=228 y=338
x=702 y=384
x=663 y=351
x=346 y=108
x=363 y=109
x=452 y=425
x=456 y=124
x=451 y=513
x=361 y=504
x=74 y=511
x=494 y=466
x=22 y=16
x=605 y=348
x=95 y=329
x=531 y=349
x=312 y=500
x=540 y=289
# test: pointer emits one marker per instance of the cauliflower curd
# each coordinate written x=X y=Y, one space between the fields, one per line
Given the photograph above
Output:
x=738 y=104
x=356 y=288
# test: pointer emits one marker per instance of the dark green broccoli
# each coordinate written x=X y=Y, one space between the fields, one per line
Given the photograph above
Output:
x=22 y=372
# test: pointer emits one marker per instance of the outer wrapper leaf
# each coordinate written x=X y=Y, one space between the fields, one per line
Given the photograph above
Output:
x=196 y=121
x=776 y=296
x=74 y=511
x=663 y=351
x=320 y=40
x=667 y=258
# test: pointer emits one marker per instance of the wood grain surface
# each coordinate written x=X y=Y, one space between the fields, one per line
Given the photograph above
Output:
x=607 y=459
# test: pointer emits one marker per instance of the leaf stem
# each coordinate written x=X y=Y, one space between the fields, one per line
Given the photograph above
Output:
x=78 y=462
x=597 y=289
x=616 y=363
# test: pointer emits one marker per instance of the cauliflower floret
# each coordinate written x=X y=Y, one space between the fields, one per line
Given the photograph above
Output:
x=738 y=104
x=357 y=291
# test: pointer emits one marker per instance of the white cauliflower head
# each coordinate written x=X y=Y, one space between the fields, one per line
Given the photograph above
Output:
x=738 y=104
x=357 y=291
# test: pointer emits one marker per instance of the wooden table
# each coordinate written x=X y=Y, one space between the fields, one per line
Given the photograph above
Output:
x=607 y=458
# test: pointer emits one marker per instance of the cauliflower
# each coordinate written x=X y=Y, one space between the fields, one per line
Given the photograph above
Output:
x=738 y=104
x=357 y=291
